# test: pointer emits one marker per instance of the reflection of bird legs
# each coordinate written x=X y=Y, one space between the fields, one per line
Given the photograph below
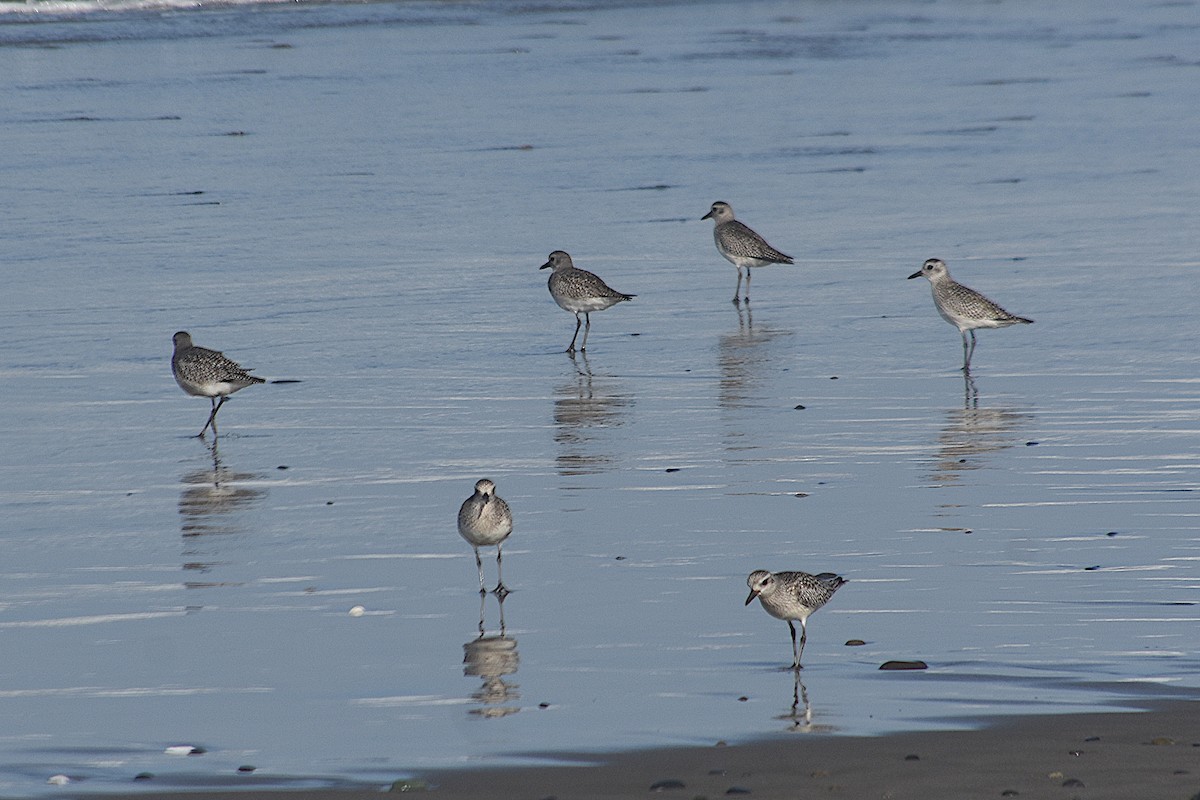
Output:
x=800 y=691
x=970 y=391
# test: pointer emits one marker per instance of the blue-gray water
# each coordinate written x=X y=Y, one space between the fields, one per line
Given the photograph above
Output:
x=359 y=196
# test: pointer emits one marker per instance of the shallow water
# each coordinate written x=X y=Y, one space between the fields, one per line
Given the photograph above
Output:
x=358 y=198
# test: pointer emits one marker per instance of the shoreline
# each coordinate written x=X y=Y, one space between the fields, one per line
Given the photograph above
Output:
x=1149 y=755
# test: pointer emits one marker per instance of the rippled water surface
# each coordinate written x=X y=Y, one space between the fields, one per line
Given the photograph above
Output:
x=358 y=197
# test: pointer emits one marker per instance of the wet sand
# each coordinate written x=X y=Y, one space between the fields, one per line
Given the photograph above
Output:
x=1150 y=755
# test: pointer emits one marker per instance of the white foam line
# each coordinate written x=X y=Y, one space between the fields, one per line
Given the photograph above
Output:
x=135 y=691
x=369 y=556
x=411 y=700
x=63 y=622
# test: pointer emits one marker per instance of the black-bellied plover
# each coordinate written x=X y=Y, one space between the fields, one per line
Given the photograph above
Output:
x=485 y=520
x=207 y=373
x=793 y=596
x=580 y=292
x=741 y=246
x=964 y=308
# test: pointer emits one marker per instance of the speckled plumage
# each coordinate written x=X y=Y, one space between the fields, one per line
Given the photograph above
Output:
x=485 y=520
x=580 y=292
x=740 y=245
x=963 y=307
x=208 y=373
x=793 y=596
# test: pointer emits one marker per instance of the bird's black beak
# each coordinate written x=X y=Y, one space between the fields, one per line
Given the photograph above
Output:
x=547 y=264
x=706 y=216
x=916 y=274
x=750 y=599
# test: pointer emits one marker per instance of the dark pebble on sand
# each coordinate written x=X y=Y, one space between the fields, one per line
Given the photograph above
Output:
x=672 y=469
x=1073 y=783
x=144 y=776
x=1111 y=533
x=1091 y=568
x=903 y=665
x=543 y=705
x=737 y=790
x=247 y=768
x=833 y=377
x=667 y=785
x=912 y=757
x=620 y=558
x=328 y=502
x=799 y=408
x=854 y=643
x=743 y=699
x=1092 y=739
x=1031 y=444
x=282 y=466
x=1009 y=793
x=800 y=494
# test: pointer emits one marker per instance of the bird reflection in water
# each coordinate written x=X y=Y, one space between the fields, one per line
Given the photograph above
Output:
x=491 y=659
x=209 y=506
x=973 y=432
x=742 y=359
x=800 y=716
x=583 y=406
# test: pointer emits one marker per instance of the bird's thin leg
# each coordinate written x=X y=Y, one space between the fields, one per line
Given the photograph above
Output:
x=737 y=292
x=578 y=322
x=972 y=353
x=479 y=564
x=803 y=639
x=747 y=294
x=795 y=652
x=212 y=417
x=966 y=354
x=501 y=590
x=587 y=328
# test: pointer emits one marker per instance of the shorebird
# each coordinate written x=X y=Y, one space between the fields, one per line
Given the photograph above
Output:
x=207 y=373
x=741 y=246
x=793 y=596
x=580 y=292
x=485 y=520
x=964 y=308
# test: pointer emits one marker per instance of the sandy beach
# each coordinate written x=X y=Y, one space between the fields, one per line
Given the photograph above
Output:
x=1152 y=755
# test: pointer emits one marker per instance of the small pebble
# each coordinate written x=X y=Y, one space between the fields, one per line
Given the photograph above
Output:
x=620 y=558
x=672 y=469
x=543 y=705
x=743 y=699
x=58 y=780
x=409 y=785
x=1009 y=793
x=282 y=466
x=184 y=750
x=247 y=768
x=1031 y=444
x=1162 y=740
x=357 y=611
x=1092 y=739
x=663 y=786
x=1073 y=783
x=801 y=494
x=737 y=790
x=328 y=502
x=912 y=757
x=855 y=643
x=144 y=776
x=799 y=408
x=1111 y=533
x=1076 y=753
x=903 y=665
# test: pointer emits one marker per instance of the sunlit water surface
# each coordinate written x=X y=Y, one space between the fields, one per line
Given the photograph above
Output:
x=358 y=197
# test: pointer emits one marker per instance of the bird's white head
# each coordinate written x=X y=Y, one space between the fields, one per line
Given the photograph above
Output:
x=933 y=269
x=485 y=487
x=558 y=260
x=760 y=582
x=720 y=212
